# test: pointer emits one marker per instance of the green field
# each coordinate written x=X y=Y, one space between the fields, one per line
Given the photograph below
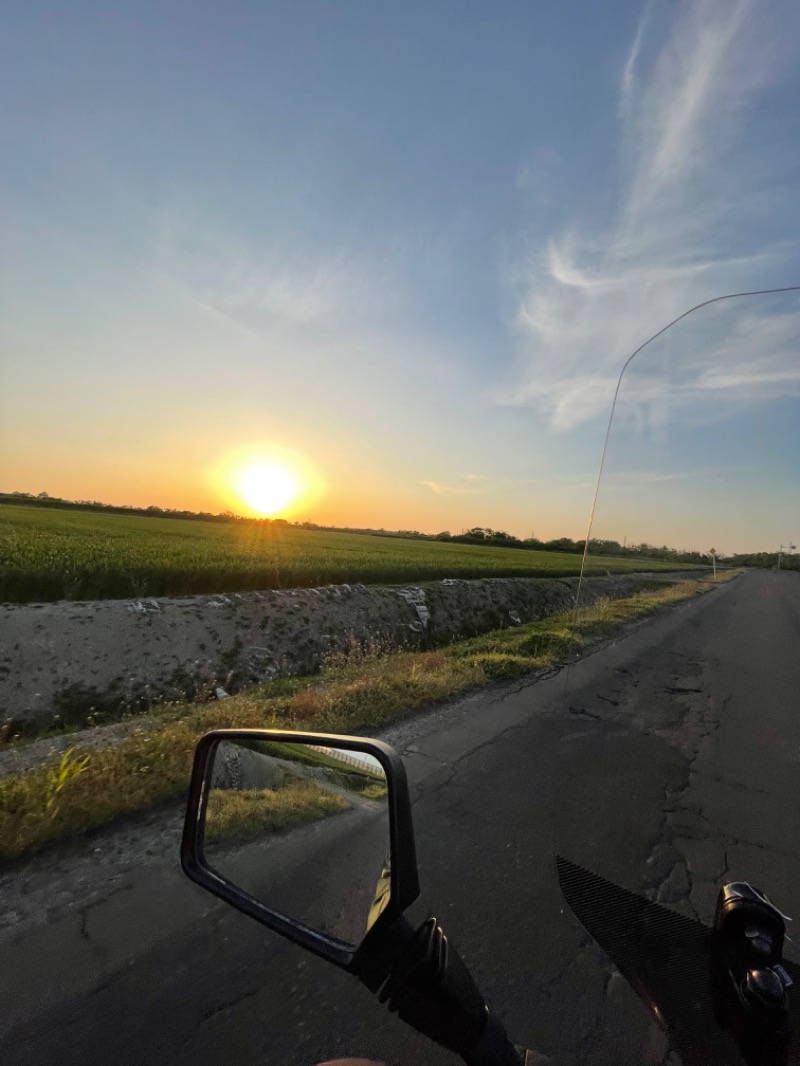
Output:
x=78 y=555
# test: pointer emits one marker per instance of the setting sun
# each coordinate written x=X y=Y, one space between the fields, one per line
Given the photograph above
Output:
x=268 y=487
x=265 y=481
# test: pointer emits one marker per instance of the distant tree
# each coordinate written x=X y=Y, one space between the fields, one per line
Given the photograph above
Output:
x=605 y=547
x=563 y=544
x=499 y=536
x=533 y=543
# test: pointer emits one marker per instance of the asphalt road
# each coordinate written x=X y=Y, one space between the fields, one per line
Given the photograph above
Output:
x=666 y=760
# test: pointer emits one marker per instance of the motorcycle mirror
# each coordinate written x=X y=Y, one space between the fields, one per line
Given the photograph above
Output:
x=308 y=833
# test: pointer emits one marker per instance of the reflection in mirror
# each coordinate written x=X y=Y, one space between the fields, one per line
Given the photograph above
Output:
x=304 y=829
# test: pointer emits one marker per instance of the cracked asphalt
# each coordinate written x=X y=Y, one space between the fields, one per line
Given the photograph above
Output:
x=666 y=760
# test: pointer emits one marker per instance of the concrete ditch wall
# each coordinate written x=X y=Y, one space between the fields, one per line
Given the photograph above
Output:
x=59 y=661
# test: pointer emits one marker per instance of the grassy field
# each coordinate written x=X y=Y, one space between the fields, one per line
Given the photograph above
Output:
x=78 y=555
x=82 y=789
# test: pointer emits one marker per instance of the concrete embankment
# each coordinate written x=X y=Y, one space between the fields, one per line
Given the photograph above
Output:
x=61 y=660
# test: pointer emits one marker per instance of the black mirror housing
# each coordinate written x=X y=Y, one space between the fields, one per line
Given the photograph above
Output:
x=404 y=876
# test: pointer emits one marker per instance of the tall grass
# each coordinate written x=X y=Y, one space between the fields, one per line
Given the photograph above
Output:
x=235 y=816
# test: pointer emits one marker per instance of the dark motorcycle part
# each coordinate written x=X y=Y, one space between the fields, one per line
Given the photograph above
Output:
x=667 y=959
x=747 y=944
x=432 y=990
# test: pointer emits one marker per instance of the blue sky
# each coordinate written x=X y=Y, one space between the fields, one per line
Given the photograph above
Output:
x=410 y=244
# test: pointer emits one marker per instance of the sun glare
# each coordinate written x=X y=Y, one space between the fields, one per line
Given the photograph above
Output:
x=268 y=487
x=266 y=480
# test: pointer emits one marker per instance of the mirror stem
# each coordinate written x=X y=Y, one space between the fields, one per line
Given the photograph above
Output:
x=432 y=990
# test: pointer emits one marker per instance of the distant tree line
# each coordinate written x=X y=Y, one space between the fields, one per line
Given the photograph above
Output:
x=766 y=560
x=43 y=499
x=597 y=546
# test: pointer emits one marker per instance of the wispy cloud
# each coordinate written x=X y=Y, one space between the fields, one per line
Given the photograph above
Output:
x=690 y=192
x=629 y=73
x=641 y=478
x=465 y=486
x=256 y=289
x=475 y=484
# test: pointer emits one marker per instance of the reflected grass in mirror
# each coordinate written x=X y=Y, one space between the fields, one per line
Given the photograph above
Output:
x=374 y=792
x=236 y=816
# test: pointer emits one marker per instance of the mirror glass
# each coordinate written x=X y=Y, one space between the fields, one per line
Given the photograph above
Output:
x=302 y=828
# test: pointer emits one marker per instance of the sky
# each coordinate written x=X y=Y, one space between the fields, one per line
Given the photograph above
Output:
x=407 y=248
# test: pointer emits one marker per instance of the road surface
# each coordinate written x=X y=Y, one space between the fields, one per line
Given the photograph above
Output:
x=666 y=760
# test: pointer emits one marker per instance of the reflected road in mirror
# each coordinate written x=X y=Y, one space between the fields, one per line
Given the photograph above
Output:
x=303 y=829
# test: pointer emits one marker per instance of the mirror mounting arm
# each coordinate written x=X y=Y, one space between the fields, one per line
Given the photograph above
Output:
x=386 y=943
x=431 y=989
